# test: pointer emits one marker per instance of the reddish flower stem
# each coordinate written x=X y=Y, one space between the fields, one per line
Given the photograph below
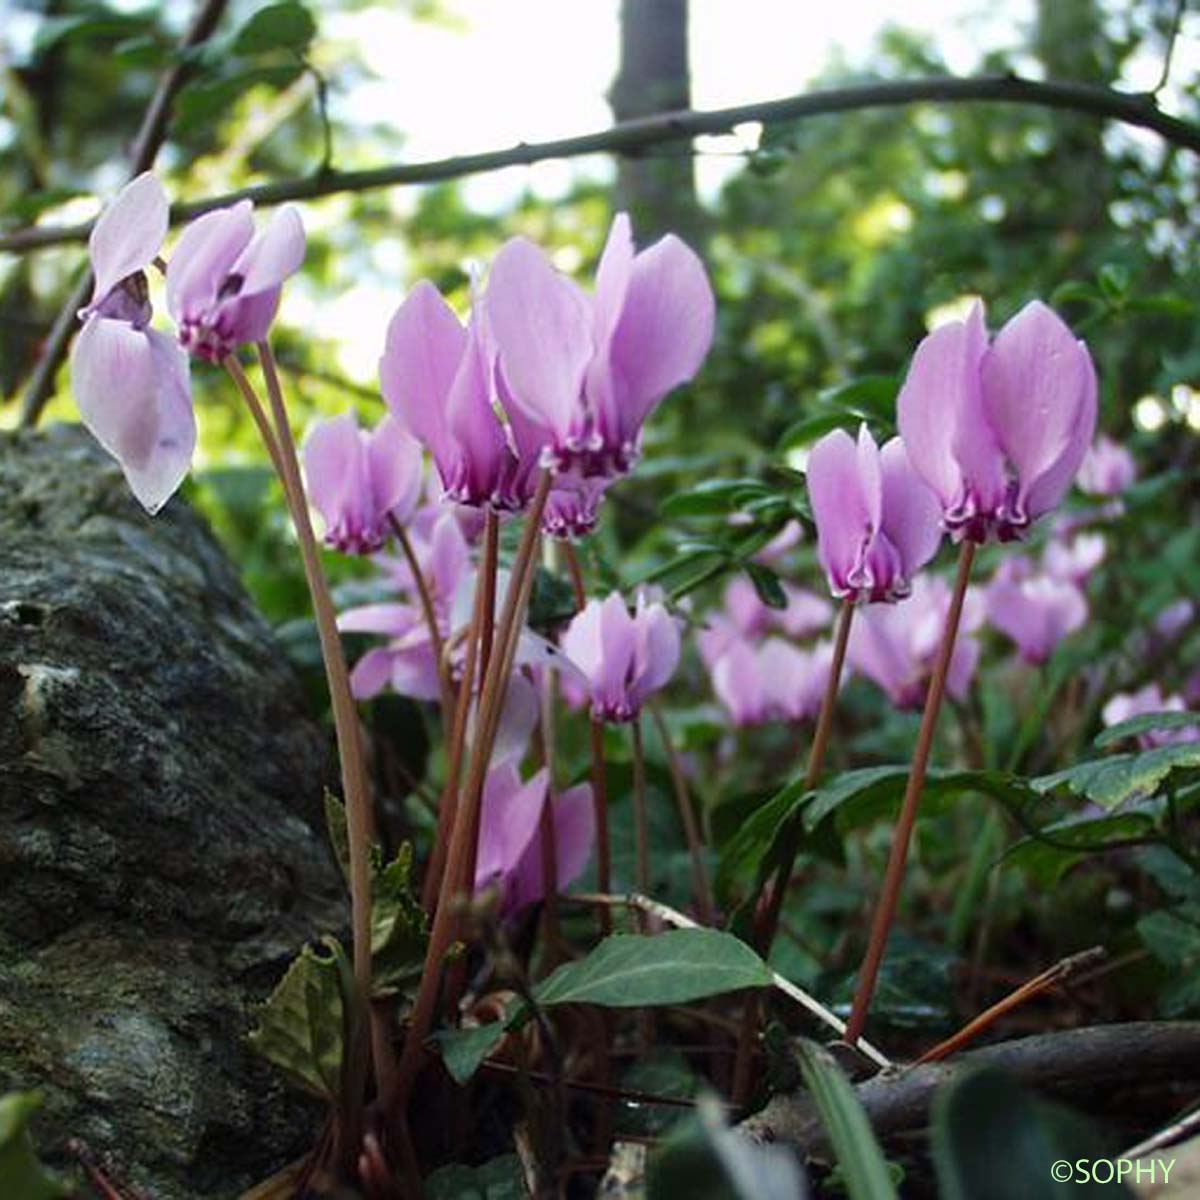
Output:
x=355 y=785
x=465 y=828
x=893 y=878
x=485 y=587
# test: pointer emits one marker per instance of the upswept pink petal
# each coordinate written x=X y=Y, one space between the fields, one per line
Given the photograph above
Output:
x=806 y=613
x=942 y=379
x=581 y=641
x=964 y=662
x=394 y=620
x=333 y=470
x=795 y=679
x=541 y=324
x=574 y=832
x=979 y=454
x=841 y=509
x=274 y=253
x=911 y=512
x=1039 y=398
x=745 y=608
x=612 y=278
x=134 y=395
x=662 y=336
x=202 y=259
x=371 y=674
x=395 y=469
x=447 y=561
x=1036 y=613
x=508 y=822
x=1048 y=489
x=425 y=345
x=618 y=640
x=656 y=653
x=482 y=449
x=128 y=234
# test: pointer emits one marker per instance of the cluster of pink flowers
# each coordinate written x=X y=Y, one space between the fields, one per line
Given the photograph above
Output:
x=224 y=280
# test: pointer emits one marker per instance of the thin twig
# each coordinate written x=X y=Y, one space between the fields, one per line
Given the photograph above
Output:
x=1172 y=37
x=672 y=916
x=894 y=876
x=150 y=137
x=1029 y=990
x=629 y=137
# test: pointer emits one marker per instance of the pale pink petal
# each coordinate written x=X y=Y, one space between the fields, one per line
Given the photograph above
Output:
x=656 y=651
x=911 y=512
x=334 y=472
x=425 y=345
x=841 y=509
x=202 y=259
x=663 y=334
x=371 y=674
x=394 y=465
x=942 y=380
x=274 y=253
x=128 y=234
x=541 y=325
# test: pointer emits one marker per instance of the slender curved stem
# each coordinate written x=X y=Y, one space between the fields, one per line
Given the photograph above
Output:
x=886 y=911
x=430 y=614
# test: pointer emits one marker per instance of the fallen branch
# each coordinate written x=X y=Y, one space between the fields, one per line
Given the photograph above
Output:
x=1073 y=1063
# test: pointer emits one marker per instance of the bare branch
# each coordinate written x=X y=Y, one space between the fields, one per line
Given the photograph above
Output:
x=632 y=137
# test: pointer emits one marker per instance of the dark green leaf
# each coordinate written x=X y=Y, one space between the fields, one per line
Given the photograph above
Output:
x=1120 y=778
x=988 y=1134
x=285 y=26
x=808 y=430
x=862 y=1164
x=22 y=1177
x=766 y=585
x=338 y=832
x=676 y=967
x=713 y=498
x=302 y=1025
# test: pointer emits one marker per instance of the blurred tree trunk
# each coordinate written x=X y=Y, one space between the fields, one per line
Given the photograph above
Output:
x=1071 y=42
x=658 y=190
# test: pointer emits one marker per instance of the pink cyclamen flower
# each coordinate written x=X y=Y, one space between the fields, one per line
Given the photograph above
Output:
x=877 y=521
x=895 y=645
x=586 y=372
x=1035 y=610
x=131 y=382
x=1107 y=468
x=998 y=431
x=776 y=681
x=225 y=278
x=623 y=656
x=510 y=845
x=361 y=480
x=1175 y=618
x=437 y=378
x=1149 y=699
